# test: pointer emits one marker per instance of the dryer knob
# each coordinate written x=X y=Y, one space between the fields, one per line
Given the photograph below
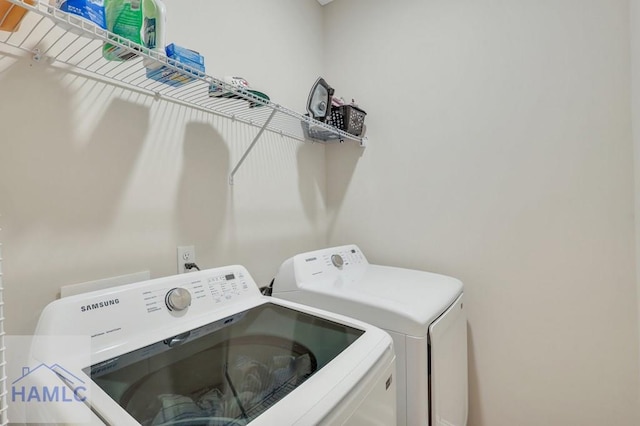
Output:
x=178 y=299
x=337 y=260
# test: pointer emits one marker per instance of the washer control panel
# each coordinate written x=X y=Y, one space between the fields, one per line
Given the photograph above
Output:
x=117 y=314
x=197 y=291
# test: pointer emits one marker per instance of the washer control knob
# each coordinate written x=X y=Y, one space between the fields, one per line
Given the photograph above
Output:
x=178 y=299
x=337 y=260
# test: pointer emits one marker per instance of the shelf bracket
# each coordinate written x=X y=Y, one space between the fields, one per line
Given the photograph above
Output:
x=244 y=156
x=37 y=55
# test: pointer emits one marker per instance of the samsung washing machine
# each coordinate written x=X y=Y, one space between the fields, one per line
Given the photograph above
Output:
x=207 y=348
x=423 y=312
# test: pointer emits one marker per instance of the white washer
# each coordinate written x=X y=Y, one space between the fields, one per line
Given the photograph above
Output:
x=423 y=312
x=207 y=348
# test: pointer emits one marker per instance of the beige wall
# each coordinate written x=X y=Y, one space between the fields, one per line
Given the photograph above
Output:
x=501 y=153
x=96 y=181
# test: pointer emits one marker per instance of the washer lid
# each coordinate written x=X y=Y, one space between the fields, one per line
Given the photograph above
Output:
x=401 y=300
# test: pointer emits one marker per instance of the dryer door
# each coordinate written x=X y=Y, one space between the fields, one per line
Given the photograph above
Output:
x=449 y=388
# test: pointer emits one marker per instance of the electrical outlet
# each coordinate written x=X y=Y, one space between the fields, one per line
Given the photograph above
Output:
x=186 y=254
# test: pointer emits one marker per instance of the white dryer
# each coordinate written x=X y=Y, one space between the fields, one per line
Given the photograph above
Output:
x=207 y=348
x=423 y=312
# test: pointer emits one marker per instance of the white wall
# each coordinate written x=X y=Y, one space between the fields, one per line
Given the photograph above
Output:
x=501 y=153
x=96 y=181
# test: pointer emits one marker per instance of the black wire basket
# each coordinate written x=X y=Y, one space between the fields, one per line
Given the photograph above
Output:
x=349 y=118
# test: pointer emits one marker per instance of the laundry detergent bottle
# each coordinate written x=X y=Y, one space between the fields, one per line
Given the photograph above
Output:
x=124 y=18
x=153 y=29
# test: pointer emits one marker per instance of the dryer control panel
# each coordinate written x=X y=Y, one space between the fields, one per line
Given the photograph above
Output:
x=331 y=264
x=341 y=257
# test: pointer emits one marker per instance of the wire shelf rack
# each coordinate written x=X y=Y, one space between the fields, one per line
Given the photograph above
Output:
x=60 y=38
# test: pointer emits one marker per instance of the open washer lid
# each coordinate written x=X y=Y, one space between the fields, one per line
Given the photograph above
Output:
x=216 y=348
x=340 y=279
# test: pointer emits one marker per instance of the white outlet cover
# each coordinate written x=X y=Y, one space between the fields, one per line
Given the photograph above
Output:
x=186 y=254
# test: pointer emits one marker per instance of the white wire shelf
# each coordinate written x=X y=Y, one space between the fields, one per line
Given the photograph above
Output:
x=61 y=38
